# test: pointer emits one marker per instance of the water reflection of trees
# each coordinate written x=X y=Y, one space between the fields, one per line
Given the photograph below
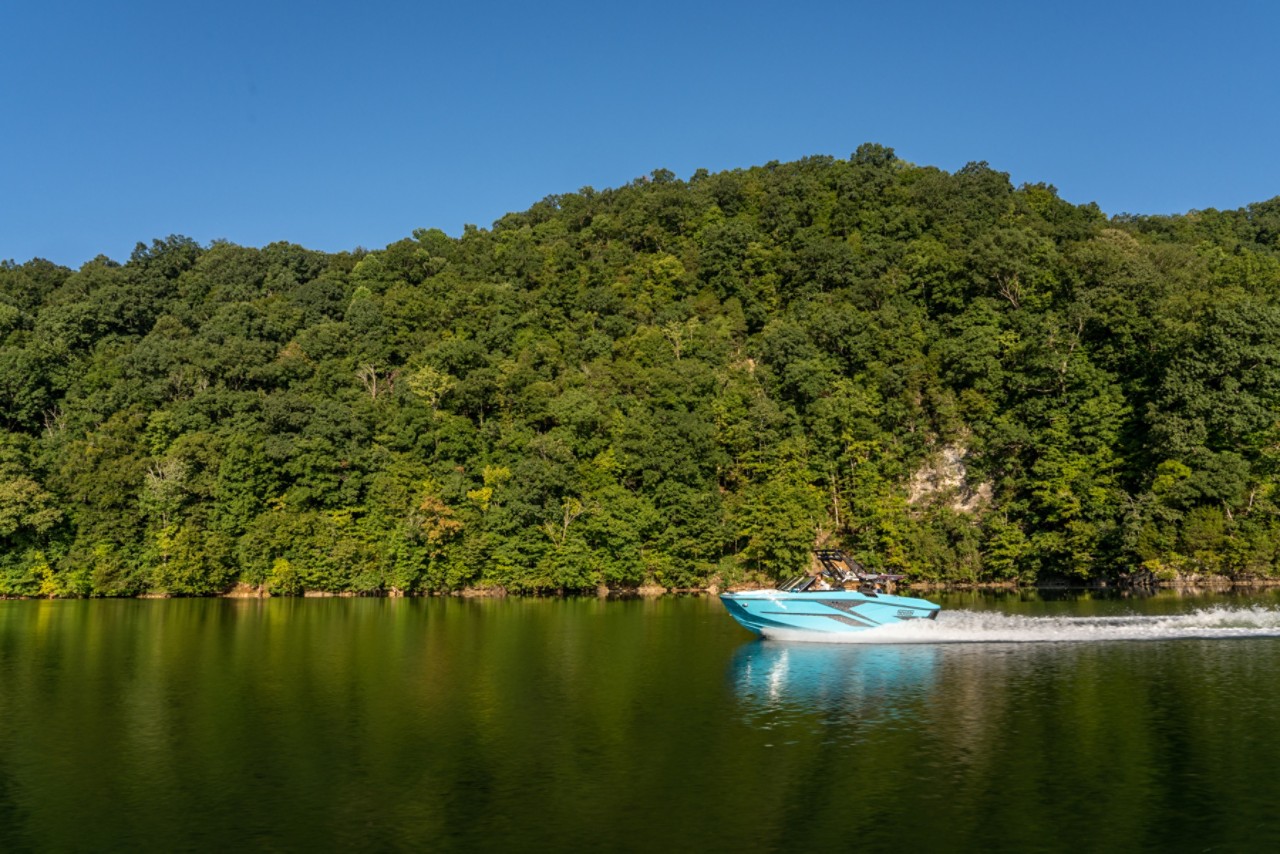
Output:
x=644 y=725
x=982 y=745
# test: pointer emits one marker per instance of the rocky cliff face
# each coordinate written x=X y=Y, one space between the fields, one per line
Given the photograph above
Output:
x=945 y=479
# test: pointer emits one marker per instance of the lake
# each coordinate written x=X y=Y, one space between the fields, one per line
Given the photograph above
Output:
x=1024 y=722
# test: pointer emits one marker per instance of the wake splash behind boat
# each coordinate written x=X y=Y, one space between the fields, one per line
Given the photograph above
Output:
x=959 y=627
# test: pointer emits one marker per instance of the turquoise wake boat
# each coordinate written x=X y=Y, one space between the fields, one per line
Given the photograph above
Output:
x=843 y=597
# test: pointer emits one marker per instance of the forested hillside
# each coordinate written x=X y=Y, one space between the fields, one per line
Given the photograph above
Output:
x=673 y=382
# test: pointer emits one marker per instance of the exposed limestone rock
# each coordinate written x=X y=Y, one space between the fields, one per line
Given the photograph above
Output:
x=248 y=591
x=946 y=478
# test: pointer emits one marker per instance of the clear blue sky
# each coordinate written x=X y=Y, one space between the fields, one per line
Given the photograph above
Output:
x=338 y=125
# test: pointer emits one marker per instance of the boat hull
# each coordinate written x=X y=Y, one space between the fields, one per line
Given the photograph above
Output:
x=829 y=612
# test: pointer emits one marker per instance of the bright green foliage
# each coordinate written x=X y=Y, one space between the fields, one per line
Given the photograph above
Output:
x=672 y=382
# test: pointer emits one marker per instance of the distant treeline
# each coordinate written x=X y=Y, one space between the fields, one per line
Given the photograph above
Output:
x=673 y=382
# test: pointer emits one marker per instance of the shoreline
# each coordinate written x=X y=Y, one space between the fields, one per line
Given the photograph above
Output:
x=1194 y=584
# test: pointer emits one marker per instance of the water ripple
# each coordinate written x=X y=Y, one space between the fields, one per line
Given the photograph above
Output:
x=1219 y=622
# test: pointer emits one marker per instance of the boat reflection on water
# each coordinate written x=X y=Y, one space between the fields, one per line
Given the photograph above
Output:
x=841 y=683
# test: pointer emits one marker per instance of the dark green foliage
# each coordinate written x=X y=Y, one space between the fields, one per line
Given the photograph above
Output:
x=671 y=382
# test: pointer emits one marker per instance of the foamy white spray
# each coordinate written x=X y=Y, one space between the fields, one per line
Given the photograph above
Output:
x=996 y=627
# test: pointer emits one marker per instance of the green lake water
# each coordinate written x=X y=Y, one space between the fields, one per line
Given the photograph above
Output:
x=1022 y=723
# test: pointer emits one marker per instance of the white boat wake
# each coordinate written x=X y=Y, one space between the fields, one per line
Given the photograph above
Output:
x=997 y=627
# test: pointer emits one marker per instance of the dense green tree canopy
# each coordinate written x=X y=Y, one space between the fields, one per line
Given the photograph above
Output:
x=672 y=382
